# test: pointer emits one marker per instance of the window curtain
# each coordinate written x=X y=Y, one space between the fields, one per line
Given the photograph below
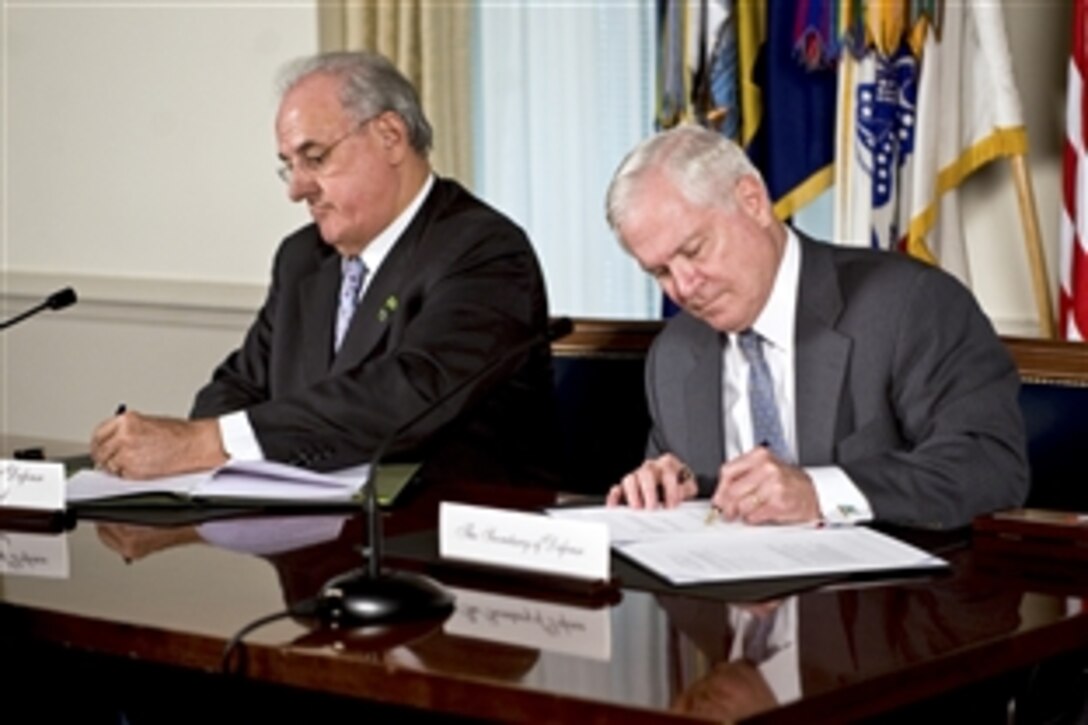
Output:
x=430 y=43
x=562 y=92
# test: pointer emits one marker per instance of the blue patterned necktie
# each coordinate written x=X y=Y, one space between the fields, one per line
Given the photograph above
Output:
x=350 y=283
x=757 y=638
x=766 y=425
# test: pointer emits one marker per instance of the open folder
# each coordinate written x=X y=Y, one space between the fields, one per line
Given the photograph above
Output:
x=237 y=483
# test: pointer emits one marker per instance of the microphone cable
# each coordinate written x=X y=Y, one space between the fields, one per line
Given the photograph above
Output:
x=233 y=661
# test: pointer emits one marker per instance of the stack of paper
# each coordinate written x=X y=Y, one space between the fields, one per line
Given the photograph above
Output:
x=237 y=482
x=687 y=545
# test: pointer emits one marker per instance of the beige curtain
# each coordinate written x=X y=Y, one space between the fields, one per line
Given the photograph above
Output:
x=428 y=40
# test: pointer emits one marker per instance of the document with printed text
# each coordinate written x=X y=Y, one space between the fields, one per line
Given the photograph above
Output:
x=686 y=545
x=626 y=524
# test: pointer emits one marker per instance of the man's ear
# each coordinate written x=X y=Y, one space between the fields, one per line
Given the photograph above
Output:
x=751 y=196
x=392 y=135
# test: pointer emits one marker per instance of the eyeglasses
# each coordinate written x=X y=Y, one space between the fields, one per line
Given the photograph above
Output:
x=313 y=160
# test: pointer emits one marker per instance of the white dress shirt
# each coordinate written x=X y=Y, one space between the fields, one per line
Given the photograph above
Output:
x=781 y=669
x=839 y=498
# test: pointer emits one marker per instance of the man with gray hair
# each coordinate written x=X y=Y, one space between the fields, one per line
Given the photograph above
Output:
x=804 y=381
x=399 y=295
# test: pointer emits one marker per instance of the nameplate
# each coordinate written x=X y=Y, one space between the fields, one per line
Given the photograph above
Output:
x=32 y=485
x=34 y=555
x=530 y=542
x=529 y=623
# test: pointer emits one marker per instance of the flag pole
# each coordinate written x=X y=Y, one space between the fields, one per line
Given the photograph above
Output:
x=1029 y=216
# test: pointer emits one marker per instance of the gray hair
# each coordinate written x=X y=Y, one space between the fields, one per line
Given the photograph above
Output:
x=370 y=85
x=703 y=165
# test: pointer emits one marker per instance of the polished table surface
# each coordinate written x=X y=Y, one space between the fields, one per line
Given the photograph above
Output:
x=515 y=649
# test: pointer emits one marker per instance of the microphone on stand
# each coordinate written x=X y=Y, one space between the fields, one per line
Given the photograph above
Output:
x=373 y=596
x=56 y=301
x=24 y=519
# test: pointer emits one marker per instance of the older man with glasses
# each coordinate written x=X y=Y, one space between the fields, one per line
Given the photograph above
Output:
x=806 y=381
x=398 y=296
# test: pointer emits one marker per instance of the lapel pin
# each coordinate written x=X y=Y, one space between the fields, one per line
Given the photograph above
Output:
x=388 y=308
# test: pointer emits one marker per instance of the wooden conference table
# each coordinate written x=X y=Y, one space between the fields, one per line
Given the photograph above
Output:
x=139 y=623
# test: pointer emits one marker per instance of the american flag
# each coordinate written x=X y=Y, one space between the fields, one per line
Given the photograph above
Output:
x=1073 y=296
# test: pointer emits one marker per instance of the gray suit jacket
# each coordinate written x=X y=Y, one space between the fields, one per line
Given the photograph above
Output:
x=900 y=381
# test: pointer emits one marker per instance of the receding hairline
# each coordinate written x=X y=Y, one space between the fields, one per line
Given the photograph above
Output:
x=368 y=84
x=700 y=164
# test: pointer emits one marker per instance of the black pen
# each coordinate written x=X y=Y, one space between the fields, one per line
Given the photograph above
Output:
x=120 y=411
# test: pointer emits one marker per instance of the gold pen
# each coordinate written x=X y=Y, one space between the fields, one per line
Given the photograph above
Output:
x=685 y=474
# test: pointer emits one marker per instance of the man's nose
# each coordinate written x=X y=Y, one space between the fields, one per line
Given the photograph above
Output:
x=301 y=186
x=685 y=277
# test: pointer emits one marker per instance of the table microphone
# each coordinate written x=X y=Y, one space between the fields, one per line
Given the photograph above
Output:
x=373 y=596
x=56 y=301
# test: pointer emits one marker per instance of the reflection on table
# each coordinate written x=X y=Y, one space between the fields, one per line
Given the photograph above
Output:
x=175 y=594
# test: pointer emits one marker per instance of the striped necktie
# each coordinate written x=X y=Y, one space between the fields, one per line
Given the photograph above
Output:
x=351 y=281
x=766 y=424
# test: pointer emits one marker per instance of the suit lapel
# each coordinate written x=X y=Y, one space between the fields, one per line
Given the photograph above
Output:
x=376 y=312
x=317 y=306
x=823 y=354
x=703 y=403
x=373 y=316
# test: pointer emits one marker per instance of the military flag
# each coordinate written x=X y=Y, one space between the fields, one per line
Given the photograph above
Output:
x=916 y=117
x=697 y=65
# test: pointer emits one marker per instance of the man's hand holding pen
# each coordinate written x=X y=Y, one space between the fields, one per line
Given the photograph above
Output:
x=133 y=445
x=758 y=488
x=755 y=487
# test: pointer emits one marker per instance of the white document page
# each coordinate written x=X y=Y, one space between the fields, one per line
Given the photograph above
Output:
x=260 y=480
x=264 y=480
x=627 y=524
x=767 y=552
x=91 y=484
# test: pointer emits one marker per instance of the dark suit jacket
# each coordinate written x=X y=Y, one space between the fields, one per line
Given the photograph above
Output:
x=458 y=289
x=900 y=380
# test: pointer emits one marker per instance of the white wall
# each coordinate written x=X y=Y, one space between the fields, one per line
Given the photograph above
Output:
x=140 y=140
x=138 y=160
x=136 y=163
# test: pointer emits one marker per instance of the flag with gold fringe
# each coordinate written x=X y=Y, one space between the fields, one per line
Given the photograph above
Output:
x=787 y=102
x=930 y=100
x=730 y=65
x=896 y=102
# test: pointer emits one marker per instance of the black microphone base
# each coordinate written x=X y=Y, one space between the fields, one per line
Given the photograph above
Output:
x=357 y=599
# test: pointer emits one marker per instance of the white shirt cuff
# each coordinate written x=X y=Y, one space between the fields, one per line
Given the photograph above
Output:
x=841 y=502
x=238 y=438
